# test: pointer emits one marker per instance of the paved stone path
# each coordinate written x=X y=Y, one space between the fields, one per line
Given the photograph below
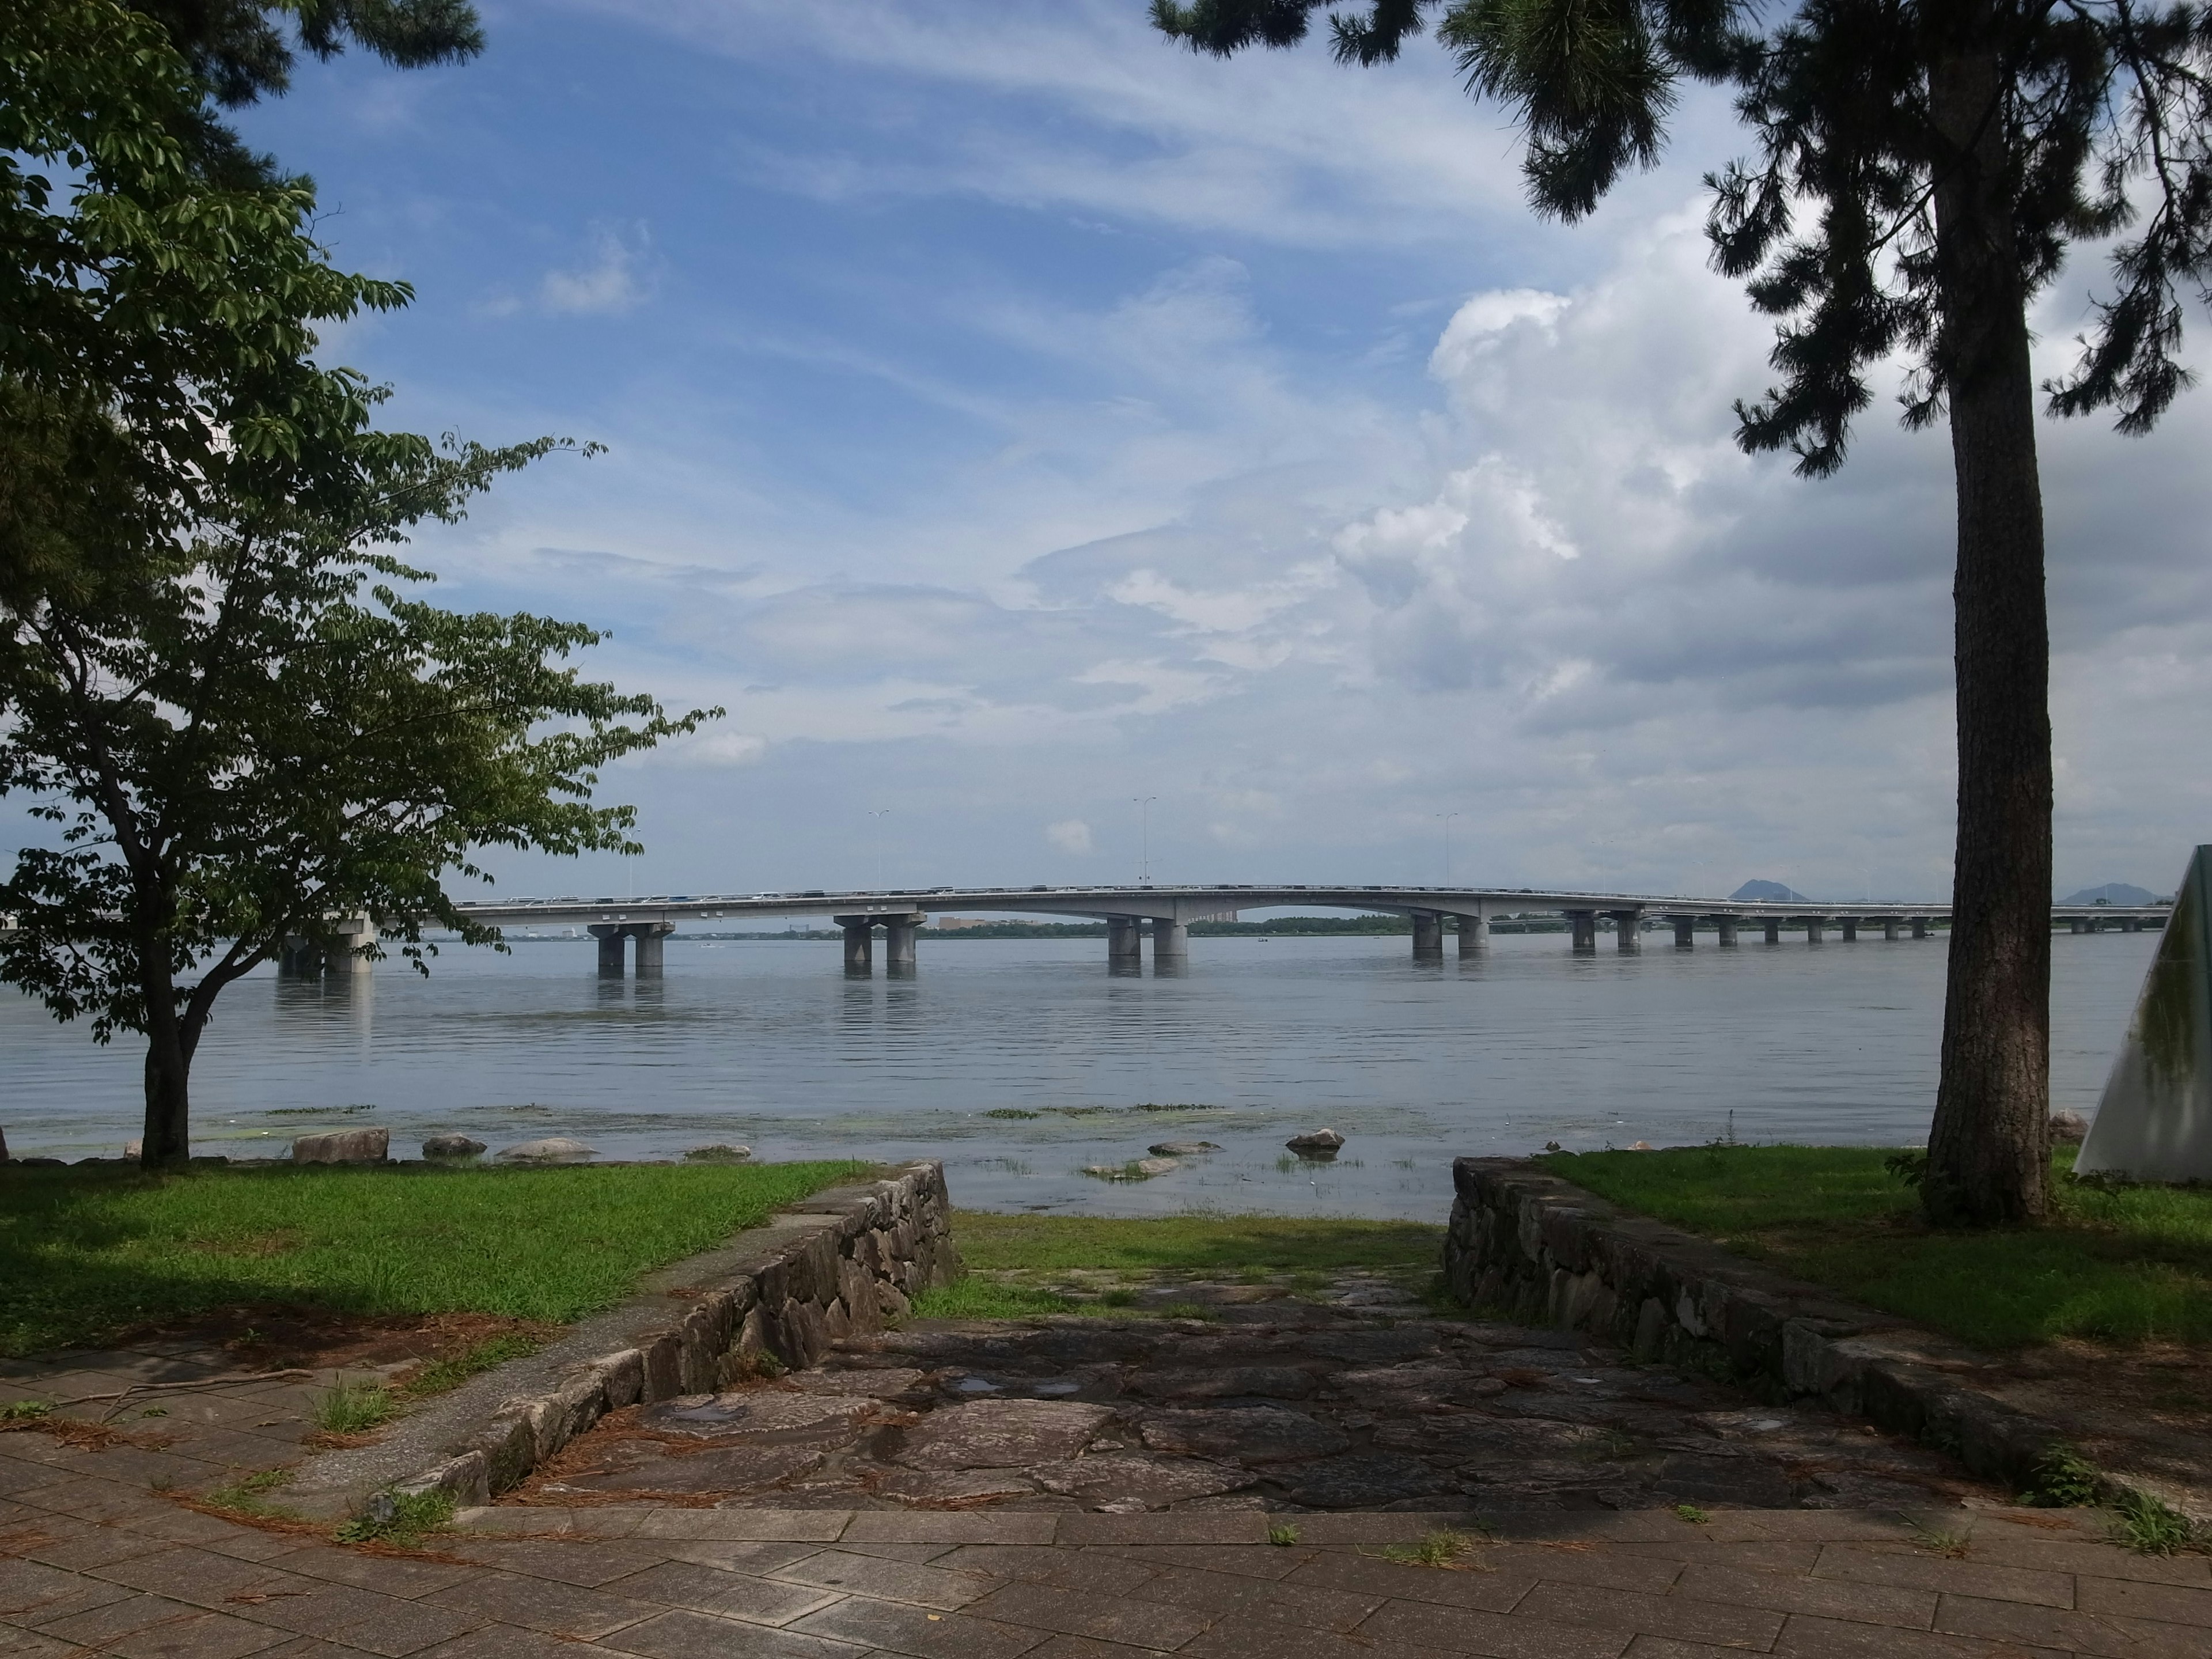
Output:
x=91 y=1562
x=97 y=1555
x=1359 y=1397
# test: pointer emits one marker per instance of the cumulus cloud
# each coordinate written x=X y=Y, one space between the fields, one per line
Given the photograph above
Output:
x=1070 y=835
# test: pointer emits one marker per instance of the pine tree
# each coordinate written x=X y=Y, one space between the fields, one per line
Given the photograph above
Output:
x=1920 y=169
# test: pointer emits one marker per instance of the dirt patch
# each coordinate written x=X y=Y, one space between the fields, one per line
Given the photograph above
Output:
x=285 y=1338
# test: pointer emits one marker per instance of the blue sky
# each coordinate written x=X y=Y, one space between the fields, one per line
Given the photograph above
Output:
x=1009 y=416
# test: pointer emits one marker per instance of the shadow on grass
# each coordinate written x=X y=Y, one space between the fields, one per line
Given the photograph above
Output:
x=87 y=1254
x=2113 y=1265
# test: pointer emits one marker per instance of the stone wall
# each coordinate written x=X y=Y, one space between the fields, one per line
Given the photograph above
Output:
x=841 y=1263
x=1544 y=1251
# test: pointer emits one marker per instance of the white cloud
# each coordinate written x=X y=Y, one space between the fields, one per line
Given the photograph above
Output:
x=616 y=278
x=1070 y=835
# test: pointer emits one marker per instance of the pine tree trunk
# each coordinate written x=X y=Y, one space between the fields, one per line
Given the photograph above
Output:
x=1988 y=1147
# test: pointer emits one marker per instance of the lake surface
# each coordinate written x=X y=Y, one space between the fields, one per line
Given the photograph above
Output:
x=767 y=1044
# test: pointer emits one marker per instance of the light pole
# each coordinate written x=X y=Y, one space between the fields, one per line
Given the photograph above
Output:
x=1447 y=818
x=879 y=813
x=1143 y=838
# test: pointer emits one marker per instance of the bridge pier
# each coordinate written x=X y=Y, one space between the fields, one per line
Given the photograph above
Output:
x=648 y=935
x=2077 y=924
x=1685 y=931
x=300 y=958
x=1920 y=927
x=1851 y=928
x=1774 y=930
x=2132 y=924
x=1428 y=936
x=1170 y=944
x=1582 y=925
x=1889 y=927
x=1726 y=927
x=1474 y=935
x=898 y=948
x=859 y=945
x=1124 y=944
x=1630 y=924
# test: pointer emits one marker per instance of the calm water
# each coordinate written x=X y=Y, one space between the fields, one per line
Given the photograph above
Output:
x=767 y=1044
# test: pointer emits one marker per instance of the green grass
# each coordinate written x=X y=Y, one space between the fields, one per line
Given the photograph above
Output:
x=2117 y=1265
x=354 y=1409
x=85 y=1255
x=1197 y=1243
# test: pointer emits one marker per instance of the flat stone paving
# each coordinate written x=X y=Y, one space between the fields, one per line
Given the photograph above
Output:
x=97 y=1556
x=1359 y=1397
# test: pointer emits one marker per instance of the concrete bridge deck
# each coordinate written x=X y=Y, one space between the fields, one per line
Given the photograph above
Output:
x=1164 y=912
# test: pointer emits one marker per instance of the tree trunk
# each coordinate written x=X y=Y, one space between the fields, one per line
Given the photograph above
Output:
x=166 y=1143
x=1988 y=1147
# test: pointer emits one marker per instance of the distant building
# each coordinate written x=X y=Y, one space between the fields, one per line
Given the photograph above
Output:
x=954 y=924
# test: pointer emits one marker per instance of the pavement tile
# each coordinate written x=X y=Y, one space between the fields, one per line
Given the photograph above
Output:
x=27 y=1586
x=1198 y=1526
x=2098 y=1561
x=1233 y=1639
x=888 y=1581
x=1652 y=1616
x=749 y=1526
x=2101 y=1633
x=1086 y=1647
x=1773 y=1555
x=189 y=1574
x=1806 y=1638
x=1600 y=1568
x=2172 y=1603
x=93 y=1500
x=19 y=1644
x=1868 y=1604
x=758 y=1558
x=1122 y=1618
x=1819 y=1526
x=18 y=1476
x=202 y=1636
x=1864 y=1563
x=1363 y=1529
x=1666 y=1647
x=100 y=1626
x=1503 y=1636
x=1472 y=1586
x=506 y=1641
x=590 y=1562
x=920 y=1553
x=1580 y=1526
x=953 y=1527
x=1107 y=1572
x=77 y=1545
x=695 y=1636
x=363 y=1619
x=1224 y=1595
x=726 y=1595
x=391 y=1574
x=912 y=1631
x=540 y=1604
x=1246 y=1560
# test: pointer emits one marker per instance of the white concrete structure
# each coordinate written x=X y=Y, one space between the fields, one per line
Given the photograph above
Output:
x=1165 y=913
x=2154 y=1122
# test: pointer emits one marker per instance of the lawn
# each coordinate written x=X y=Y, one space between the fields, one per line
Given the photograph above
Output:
x=85 y=1255
x=1004 y=1251
x=2119 y=1266
x=1193 y=1242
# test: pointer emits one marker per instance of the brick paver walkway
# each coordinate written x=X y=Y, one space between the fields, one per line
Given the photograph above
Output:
x=94 y=1559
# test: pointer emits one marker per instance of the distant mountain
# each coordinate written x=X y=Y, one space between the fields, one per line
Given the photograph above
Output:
x=1778 y=893
x=2112 y=892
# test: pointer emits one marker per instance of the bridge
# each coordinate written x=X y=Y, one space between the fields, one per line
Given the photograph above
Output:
x=1164 y=915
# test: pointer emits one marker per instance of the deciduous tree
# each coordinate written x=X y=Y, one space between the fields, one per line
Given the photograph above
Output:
x=1921 y=169
x=217 y=675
